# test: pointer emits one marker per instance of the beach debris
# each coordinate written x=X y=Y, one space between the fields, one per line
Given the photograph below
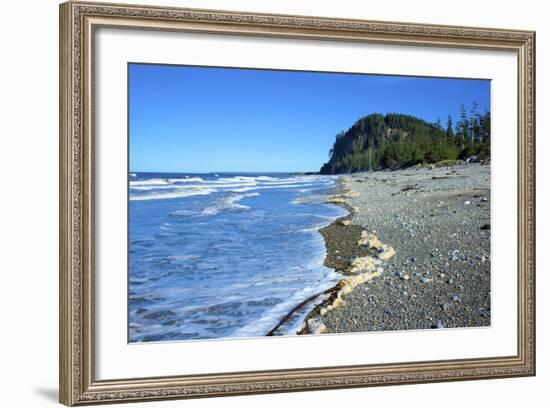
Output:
x=484 y=199
x=351 y=194
x=336 y=200
x=361 y=270
x=337 y=302
x=439 y=325
x=467 y=203
x=386 y=252
x=425 y=280
x=353 y=208
x=351 y=282
x=409 y=188
x=486 y=227
x=364 y=264
x=315 y=326
x=344 y=222
x=369 y=240
x=405 y=277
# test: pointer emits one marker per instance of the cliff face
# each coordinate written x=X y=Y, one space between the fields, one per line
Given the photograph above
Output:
x=377 y=142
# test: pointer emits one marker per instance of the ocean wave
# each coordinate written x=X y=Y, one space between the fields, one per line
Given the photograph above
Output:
x=292 y=181
x=186 y=180
x=263 y=187
x=184 y=213
x=250 y=178
x=272 y=316
x=183 y=186
x=165 y=181
x=228 y=204
x=173 y=194
x=153 y=187
x=230 y=185
x=148 y=182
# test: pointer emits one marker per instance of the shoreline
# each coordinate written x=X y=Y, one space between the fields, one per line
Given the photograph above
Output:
x=436 y=282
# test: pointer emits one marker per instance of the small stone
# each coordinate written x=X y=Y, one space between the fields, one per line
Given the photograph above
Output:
x=450 y=281
x=454 y=255
x=425 y=280
x=439 y=325
x=467 y=202
x=441 y=275
x=456 y=298
x=483 y=312
x=484 y=199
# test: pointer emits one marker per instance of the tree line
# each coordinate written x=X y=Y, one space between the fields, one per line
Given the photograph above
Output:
x=393 y=141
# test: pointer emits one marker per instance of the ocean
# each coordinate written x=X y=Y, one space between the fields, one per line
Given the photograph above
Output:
x=225 y=255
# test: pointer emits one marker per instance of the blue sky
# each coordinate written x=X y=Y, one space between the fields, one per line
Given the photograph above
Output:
x=195 y=119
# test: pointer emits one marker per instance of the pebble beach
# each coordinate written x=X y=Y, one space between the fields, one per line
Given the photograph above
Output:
x=415 y=250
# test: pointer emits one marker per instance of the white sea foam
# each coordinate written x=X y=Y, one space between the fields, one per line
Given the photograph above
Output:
x=173 y=194
x=272 y=316
x=165 y=181
x=254 y=178
x=186 y=180
x=149 y=182
x=183 y=213
x=152 y=187
x=288 y=181
x=228 y=203
x=263 y=187
x=183 y=186
x=230 y=185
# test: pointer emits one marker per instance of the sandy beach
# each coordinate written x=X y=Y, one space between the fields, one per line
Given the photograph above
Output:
x=415 y=250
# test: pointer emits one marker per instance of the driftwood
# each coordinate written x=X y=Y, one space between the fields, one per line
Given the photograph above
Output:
x=299 y=306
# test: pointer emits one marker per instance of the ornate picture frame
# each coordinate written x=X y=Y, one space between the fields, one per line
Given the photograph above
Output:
x=78 y=24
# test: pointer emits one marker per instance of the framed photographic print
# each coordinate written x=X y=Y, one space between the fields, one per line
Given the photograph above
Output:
x=263 y=203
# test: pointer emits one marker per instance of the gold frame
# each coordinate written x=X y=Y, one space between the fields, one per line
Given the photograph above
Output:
x=78 y=21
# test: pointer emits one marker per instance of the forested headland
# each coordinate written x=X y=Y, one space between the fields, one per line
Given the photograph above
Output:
x=393 y=141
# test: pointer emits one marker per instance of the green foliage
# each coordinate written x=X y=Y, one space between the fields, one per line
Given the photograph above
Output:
x=394 y=141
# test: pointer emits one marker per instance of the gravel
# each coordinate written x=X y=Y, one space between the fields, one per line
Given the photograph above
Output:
x=438 y=221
